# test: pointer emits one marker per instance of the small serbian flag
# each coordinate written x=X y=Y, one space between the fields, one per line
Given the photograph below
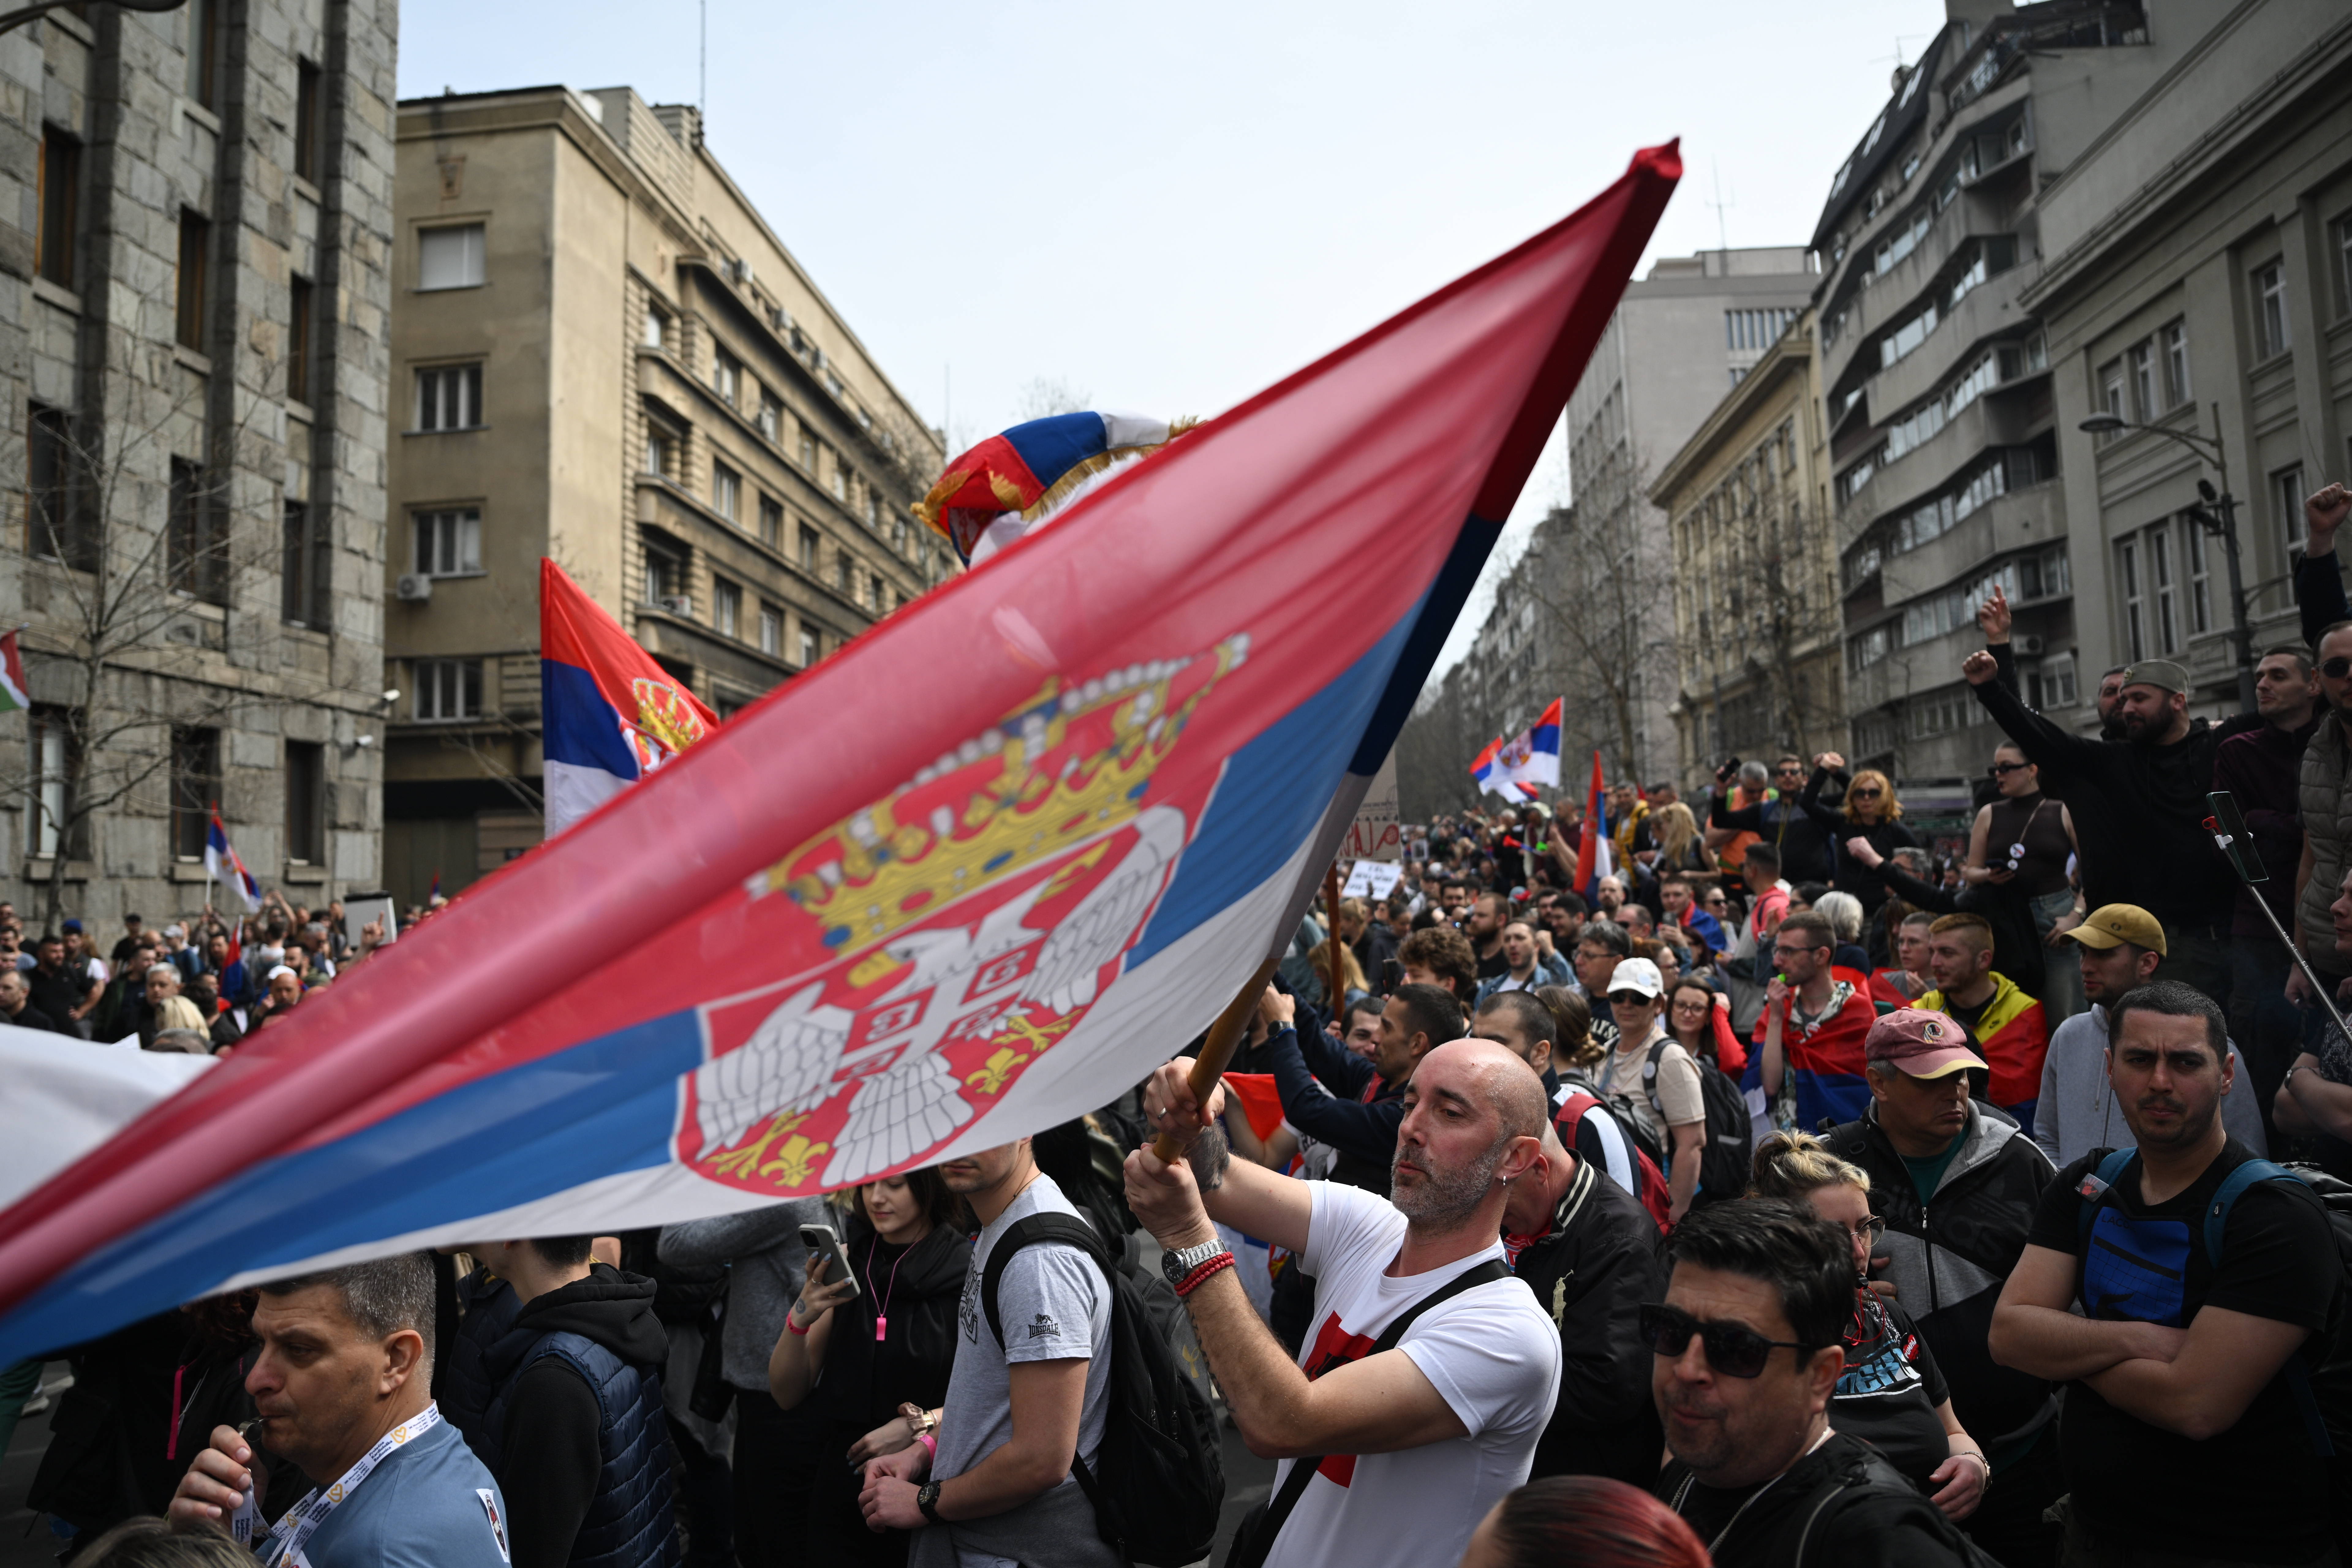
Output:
x=1593 y=860
x=12 y=675
x=1001 y=488
x=1531 y=756
x=222 y=865
x=611 y=714
x=1484 y=767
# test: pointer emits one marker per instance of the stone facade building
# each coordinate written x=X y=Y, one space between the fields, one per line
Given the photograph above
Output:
x=1754 y=569
x=602 y=354
x=1680 y=337
x=2197 y=279
x=193 y=243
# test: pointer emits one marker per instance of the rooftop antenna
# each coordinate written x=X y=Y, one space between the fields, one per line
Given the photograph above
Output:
x=702 y=67
x=1900 y=67
x=1722 y=232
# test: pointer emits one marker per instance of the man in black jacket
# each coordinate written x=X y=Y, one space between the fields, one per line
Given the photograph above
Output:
x=1803 y=845
x=571 y=1420
x=1589 y=1252
x=15 y=1007
x=2154 y=784
x=1358 y=1117
x=1931 y=1149
x=1744 y=1353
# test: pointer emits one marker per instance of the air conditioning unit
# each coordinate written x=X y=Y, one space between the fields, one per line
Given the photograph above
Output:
x=678 y=604
x=740 y=271
x=779 y=318
x=2029 y=647
x=414 y=587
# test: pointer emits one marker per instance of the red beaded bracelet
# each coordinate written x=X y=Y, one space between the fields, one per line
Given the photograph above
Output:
x=1192 y=1280
x=795 y=1328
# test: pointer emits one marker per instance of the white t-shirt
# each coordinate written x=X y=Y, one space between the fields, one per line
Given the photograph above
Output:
x=1491 y=1352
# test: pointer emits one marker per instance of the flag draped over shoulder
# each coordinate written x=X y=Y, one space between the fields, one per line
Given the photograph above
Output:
x=610 y=714
x=974 y=876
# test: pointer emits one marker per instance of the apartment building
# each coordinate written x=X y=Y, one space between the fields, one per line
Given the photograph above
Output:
x=192 y=341
x=1756 y=623
x=2197 y=285
x=1680 y=337
x=1936 y=372
x=602 y=353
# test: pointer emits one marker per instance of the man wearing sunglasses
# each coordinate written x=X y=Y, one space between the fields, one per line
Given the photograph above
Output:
x=1744 y=1353
x=2139 y=808
x=1803 y=846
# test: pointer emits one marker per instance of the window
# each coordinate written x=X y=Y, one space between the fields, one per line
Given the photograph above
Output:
x=725 y=492
x=2343 y=231
x=2111 y=395
x=2270 y=309
x=300 y=300
x=2174 y=338
x=306 y=803
x=195 y=788
x=771 y=522
x=2143 y=380
x=663 y=447
x=656 y=326
x=449 y=542
x=726 y=605
x=2134 y=609
x=870 y=504
x=55 y=777
x=196 y=248
x=837 y=477
x=309 y=150
x=2286 y=497
x=809 y=647
x=448 y=689
x=2159 y=571
x=876 y=595
x=53 y=513
x=772 y=630
x=449 y=258
x=666 y=579
x=771 y=415
x=53 y=242
x=306 y=564
x=449 y=397
x=727 y=378
x=194 y=548
x=808 y=449
x=808 y=550
x=2200 y=585
x=844 y=574
x=201 y=36
x=2052 y=686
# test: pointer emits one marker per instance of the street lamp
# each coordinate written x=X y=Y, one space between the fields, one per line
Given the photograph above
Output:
x=2223 y=527
x=18 y=18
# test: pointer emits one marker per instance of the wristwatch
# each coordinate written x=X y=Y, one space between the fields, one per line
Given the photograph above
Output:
x=927 y=1498
x=1176 y=1265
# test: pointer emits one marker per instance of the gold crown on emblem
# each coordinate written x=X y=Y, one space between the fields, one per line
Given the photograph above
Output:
x=1019 y=793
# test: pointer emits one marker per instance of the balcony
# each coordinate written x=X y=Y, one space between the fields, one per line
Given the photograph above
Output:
x=1988 y=311
x=2033 y=516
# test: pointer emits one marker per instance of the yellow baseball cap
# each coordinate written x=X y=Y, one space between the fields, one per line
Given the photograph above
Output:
x=2110 y=924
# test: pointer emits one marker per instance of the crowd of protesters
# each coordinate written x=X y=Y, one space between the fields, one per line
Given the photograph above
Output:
x=1783 y=1193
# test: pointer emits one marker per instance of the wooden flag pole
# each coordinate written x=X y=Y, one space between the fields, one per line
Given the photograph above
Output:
x=1223 y=1035
x=1338 y=995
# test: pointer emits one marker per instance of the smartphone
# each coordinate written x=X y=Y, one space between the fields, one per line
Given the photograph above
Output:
x=1391 y=976
x=820 y=1238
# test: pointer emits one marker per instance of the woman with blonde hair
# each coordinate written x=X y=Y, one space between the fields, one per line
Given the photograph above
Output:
x=1351 y=975
x=1891 y=1394
x=1870 y=811
x=1681 y=846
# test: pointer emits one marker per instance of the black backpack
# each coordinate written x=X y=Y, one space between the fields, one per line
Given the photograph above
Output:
x=1724 y=1148
x=1158 y=1481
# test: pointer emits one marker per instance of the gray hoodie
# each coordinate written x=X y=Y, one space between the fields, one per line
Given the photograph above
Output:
x=763 y=1246
x=2077 y=1111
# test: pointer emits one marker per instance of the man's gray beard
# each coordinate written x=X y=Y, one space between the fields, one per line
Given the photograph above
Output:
x=1441 y=1201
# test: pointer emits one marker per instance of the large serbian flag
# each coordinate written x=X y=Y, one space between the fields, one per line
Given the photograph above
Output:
x=1482 y=767
x=1593 y=860
x=611 y=714
x=974 y=876
x=14 y=691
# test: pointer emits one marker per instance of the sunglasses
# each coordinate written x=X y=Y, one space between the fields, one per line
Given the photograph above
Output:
x=1734 y=1350
x=1629 y=999
x=2003 y=769
x=2336 y=669
x=1871 y=793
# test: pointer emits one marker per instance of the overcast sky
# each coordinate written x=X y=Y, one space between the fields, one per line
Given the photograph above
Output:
x=1165 y=208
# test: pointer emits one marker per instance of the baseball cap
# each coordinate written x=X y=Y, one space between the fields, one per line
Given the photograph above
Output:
x=2160 y=673
x=1922 y=1044
x=1637 y=975
x=72 y=928
x=2109 y=924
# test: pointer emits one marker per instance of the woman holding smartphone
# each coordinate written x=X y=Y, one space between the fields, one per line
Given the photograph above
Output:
x=862 y=1351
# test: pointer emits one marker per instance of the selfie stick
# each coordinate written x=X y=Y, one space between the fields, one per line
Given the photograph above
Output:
x=2228 y=826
